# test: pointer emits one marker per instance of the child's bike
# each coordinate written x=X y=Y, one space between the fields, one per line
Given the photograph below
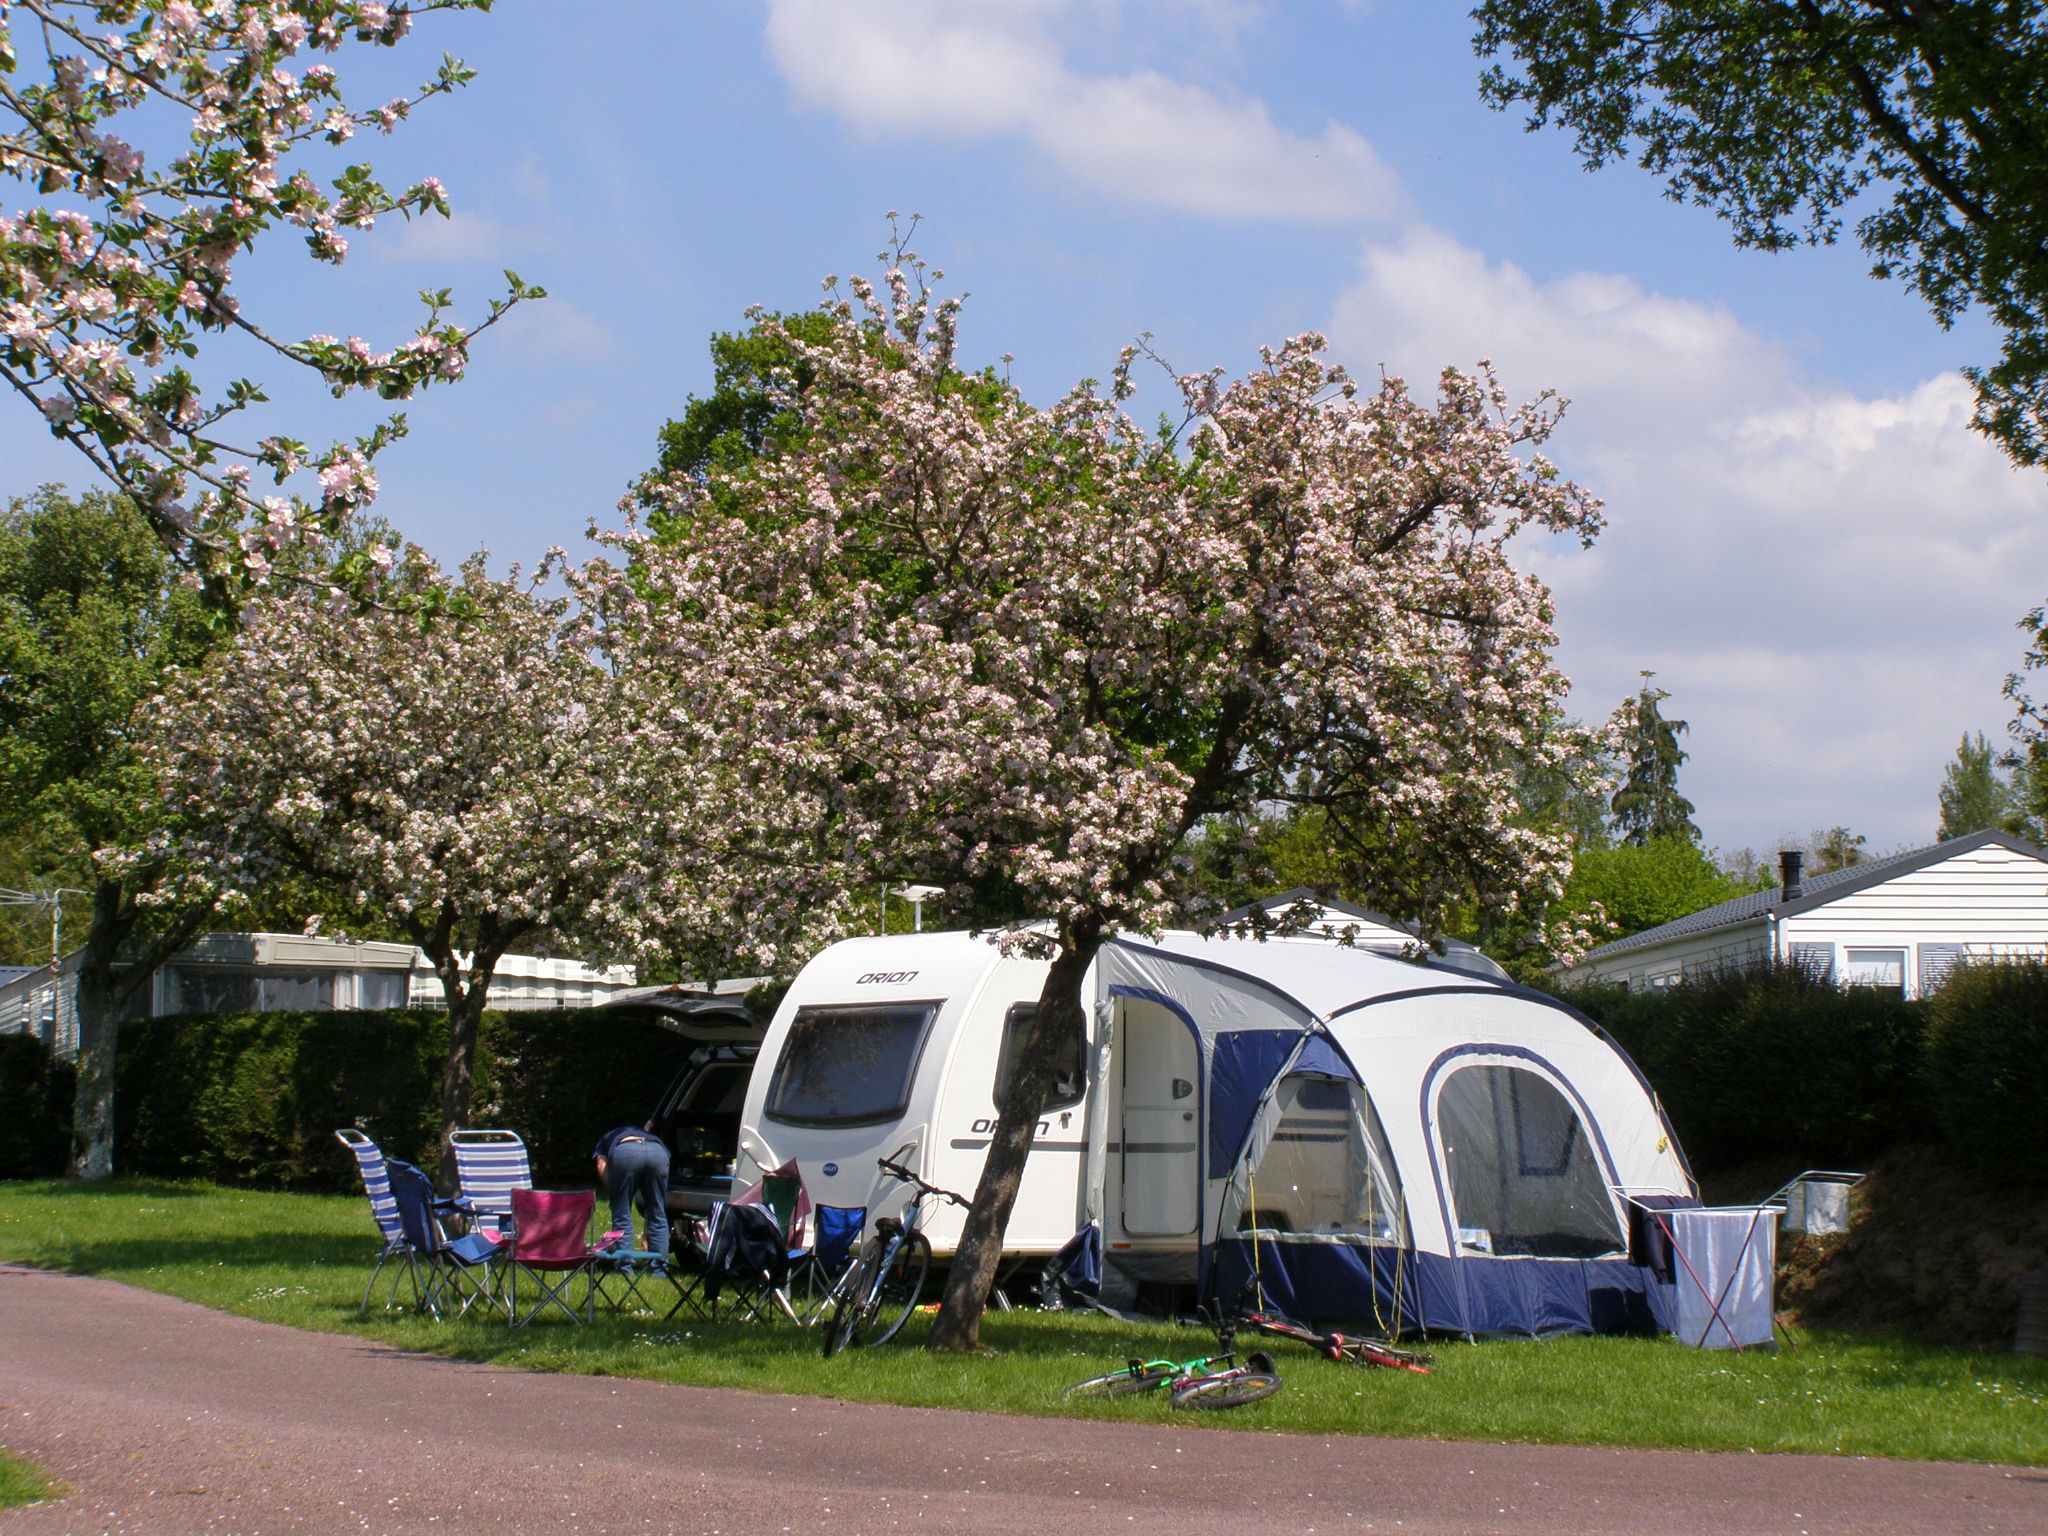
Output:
x=1330 y=1344
x=1207 y=1381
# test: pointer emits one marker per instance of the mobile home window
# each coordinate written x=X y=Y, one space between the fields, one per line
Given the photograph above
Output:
x=849 y=1065
x=1524 y=1175
x=1070 y=1071
x=1881 y=968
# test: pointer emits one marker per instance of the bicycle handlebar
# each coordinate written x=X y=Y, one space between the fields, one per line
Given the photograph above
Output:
x=898 y=1171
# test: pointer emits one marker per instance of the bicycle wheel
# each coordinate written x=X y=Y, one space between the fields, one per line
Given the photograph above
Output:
x=1121 y=1383
x=854 y=1298
x=902 y=1284
x=1392 y=1356
x=1227 y=1389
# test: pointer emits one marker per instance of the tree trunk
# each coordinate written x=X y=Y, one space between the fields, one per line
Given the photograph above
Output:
x=92 y=1107
x=97 y=1006
x=467 y=990
x=973 y=1272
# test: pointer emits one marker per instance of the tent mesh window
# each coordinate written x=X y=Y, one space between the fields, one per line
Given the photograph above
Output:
x=1323 y=1171
x=1524 y=1178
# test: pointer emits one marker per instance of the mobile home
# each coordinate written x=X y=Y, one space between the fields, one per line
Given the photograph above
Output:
x=1359 y=1131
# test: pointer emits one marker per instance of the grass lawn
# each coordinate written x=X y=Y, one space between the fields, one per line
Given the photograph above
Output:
x=22 y=1483
x=302 y=1260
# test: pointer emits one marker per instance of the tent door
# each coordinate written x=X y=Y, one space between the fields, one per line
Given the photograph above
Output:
x=1160 y=1134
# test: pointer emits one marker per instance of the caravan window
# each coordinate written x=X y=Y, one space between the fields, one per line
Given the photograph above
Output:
x=1070 y=1069
x=849 y=1065
x=1524 y=1176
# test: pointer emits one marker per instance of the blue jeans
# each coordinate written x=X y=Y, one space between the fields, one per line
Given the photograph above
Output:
x=637 y=1172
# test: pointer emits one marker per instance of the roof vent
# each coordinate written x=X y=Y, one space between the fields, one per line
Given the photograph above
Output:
x=1789 y=863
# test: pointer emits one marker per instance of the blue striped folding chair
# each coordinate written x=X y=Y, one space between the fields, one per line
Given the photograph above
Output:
x=489 y=1165
x=397 y=1250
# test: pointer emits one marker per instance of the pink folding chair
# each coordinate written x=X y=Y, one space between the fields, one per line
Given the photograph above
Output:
x=550 y=1236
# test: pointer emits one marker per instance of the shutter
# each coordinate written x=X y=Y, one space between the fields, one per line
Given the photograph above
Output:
x=1817 y=960
x=1936 y=961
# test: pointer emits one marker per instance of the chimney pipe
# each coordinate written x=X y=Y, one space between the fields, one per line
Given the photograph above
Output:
x=1789 y=863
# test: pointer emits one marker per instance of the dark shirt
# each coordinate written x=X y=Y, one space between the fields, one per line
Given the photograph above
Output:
x=617 y=1134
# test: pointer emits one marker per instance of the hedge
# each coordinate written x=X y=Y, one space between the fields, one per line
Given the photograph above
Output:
x=256 y=1098
x=1987 y=1065
x=564 y=1077
x=1772 y=1061
x=1768 y=1063
x=35 y=1108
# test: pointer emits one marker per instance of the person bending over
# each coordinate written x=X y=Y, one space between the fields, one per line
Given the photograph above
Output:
x=632 y=1164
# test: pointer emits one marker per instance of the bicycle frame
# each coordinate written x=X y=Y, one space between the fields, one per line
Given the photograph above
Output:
x=897 y=1251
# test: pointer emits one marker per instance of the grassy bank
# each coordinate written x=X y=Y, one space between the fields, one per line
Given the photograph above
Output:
x=21 y=1482
x=302 y=1259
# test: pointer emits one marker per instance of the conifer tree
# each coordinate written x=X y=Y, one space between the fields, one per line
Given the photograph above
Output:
x=1975 y=796
x=1648 y=805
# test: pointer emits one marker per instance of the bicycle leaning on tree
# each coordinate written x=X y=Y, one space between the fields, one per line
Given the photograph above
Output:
x=875 y=1297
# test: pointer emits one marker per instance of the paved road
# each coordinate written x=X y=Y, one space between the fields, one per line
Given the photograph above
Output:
x=169 y=1419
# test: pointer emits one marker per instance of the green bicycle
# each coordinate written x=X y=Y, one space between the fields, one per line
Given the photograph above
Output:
x=1207 y=1381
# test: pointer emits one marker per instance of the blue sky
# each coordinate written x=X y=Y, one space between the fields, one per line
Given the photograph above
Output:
x=1806 y=544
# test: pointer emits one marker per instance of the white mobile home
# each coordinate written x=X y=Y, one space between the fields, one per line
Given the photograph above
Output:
x=1898 y=922
x=1373 y=1136
x=265 y=972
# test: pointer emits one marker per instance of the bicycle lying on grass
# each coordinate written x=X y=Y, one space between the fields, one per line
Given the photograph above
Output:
x=875 y=1298
x=1207 y=1381
x=1331 y=1345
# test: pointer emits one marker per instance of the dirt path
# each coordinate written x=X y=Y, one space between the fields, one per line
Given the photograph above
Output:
x=171 y=1419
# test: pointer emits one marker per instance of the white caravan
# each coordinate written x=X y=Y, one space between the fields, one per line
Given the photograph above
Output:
x=1358 y=1130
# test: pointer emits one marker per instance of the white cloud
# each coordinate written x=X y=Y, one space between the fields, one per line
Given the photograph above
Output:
x=1826 y=583
x=995 y=69
x=462 y=236
x=557 y=331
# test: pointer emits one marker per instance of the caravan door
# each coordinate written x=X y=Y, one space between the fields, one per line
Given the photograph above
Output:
x=1161 y=1131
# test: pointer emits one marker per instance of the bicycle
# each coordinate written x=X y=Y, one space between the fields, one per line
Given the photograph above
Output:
x=1341 y=1347
x=1207 y=1381
x=882 y=1288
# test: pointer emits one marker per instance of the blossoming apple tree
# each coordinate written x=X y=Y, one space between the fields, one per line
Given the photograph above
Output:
x=1037 y=649
x=451 y=775
x=124 y=262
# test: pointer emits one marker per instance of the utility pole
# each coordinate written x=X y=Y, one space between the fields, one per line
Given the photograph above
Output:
x=54 y=900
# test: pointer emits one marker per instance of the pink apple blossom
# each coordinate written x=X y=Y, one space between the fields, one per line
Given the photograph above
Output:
x=122 y=261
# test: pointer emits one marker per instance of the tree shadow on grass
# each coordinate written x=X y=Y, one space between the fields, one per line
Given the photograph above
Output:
x=103 y=1189
x=115 y=1257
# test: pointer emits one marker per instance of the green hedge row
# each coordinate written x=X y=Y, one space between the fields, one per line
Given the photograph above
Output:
x=1774 y=1062
x=35 y=1109
x=256 y=1098
x=1987 y=1066
x=1764 y=1063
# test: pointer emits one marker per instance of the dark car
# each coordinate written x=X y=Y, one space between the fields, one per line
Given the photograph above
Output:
x=698 y=1114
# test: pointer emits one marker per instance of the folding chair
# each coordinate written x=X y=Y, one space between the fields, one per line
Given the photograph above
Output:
x=782 y=1193
x=384 y=1211
x=815 y=1273
x=549 y=1237
x=746 y=1264
x=489 y=1165
x=461 y=1268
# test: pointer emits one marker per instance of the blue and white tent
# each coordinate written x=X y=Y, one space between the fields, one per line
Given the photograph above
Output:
x=1375 y=1139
